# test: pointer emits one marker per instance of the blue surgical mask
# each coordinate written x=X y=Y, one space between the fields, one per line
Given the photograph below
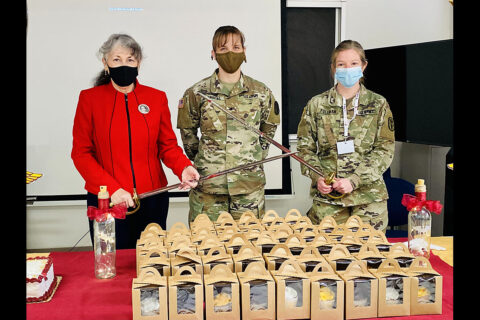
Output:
x=348 y=76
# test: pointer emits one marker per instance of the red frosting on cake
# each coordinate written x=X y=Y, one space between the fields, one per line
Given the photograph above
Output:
x=44 y=271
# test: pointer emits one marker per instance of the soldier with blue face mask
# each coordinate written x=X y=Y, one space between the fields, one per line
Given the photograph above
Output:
x=348 y=130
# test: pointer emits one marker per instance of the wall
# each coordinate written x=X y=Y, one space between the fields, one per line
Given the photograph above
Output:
x=374 y=23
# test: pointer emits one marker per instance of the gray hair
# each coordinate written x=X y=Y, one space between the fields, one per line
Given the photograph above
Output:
x=125 y=41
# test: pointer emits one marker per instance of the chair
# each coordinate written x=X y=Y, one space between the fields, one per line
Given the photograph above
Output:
x=397 y=213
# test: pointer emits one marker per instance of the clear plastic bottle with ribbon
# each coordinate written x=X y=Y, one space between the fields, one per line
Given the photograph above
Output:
x=420 y=219
x=104 y=245
x=104 y=239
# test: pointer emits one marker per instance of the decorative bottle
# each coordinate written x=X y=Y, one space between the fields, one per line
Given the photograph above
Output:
x=419 y=224
x=104 y=238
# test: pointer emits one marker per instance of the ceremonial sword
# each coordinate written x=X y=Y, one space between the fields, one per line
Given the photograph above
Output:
x=328 y=180
x=136 y=198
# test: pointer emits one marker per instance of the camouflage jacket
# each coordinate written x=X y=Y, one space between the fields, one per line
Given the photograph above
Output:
x=224 y=142
x=321 y=126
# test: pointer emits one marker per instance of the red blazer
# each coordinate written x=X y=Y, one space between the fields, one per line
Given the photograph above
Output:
x=101 y=147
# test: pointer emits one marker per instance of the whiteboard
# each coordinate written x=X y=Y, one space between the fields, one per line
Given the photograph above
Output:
x=63 y=38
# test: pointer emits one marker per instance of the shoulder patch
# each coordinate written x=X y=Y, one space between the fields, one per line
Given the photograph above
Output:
x=180 y=103
x=388 y=129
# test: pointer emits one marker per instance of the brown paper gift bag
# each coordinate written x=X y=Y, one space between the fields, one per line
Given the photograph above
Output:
x=257 y=289
x=393 y=289
x=327 y=293
x=253 y=231
x=370 y=254
x=235 y=243
x=364 y=232
x=180 y=242
x=292 y=216
x=156 y=259
x=226 y=233
x=144 y=246
x=322 y=242
x=281 y=232
x=248 y=217
x=265 y=242
x=399 y=251
x=209 y=242
x=185 y=295
x=201 y=233
x=222 y=294
x=327 y=225
x=309 y=258
x=339 y=257
x=149 y=295
x=293 y=291
x=295 y=243
x=217 y=256
x=186 y=257
x=353 y=223
x=269 y=217
x=153 y=228
x=303 y=223
x=378 y=238
x=426 y=288
x=361 y=291
x=351 y=241
x=279 y=253
x=246 y=255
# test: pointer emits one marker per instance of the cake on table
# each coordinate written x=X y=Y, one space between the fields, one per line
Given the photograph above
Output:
x=41 y=280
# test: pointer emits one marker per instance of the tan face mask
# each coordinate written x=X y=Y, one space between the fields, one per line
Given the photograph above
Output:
x=230 y=61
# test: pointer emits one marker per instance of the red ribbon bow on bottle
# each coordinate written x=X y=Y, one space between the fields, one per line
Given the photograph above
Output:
x=411 y=202
x=100 y=214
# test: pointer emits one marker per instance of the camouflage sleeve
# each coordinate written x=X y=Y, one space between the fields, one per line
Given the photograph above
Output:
x=269 y=122
x=307 y=142
x=379 y=159
x=188 y=121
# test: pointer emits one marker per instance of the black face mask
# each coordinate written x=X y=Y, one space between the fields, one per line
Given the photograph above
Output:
x=123 y=76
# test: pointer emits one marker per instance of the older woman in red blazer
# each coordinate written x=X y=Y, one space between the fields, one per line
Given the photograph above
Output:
x=122 y=132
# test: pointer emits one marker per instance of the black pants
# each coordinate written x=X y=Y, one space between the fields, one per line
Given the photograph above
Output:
x=127 y=231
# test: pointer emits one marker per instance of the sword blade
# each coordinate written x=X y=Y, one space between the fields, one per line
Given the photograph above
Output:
x=216 y=174
x=263 y=135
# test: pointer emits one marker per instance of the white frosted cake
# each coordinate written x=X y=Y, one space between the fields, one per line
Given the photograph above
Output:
x=40 y=279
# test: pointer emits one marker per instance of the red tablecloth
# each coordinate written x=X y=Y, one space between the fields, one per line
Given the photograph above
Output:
x=81 y=296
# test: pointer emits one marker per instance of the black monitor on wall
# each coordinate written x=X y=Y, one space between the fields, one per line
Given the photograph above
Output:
x=417 y=81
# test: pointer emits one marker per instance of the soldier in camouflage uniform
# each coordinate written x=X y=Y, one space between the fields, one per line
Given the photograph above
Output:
x=359 y=172
x=224 y=142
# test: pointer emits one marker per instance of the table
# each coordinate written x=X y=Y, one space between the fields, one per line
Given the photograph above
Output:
x=81 y=296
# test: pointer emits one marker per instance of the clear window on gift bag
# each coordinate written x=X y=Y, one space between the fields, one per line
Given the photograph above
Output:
x=293 y=292
x=222 y=297
x=186 y=299
x=258 y=295
x=362 y=292
x=394 y=290
x=327 y=294
x=149 y=301
x=426 y=288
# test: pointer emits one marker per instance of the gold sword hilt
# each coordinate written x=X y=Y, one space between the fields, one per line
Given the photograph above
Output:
x=136 y=200
x=329 y=180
